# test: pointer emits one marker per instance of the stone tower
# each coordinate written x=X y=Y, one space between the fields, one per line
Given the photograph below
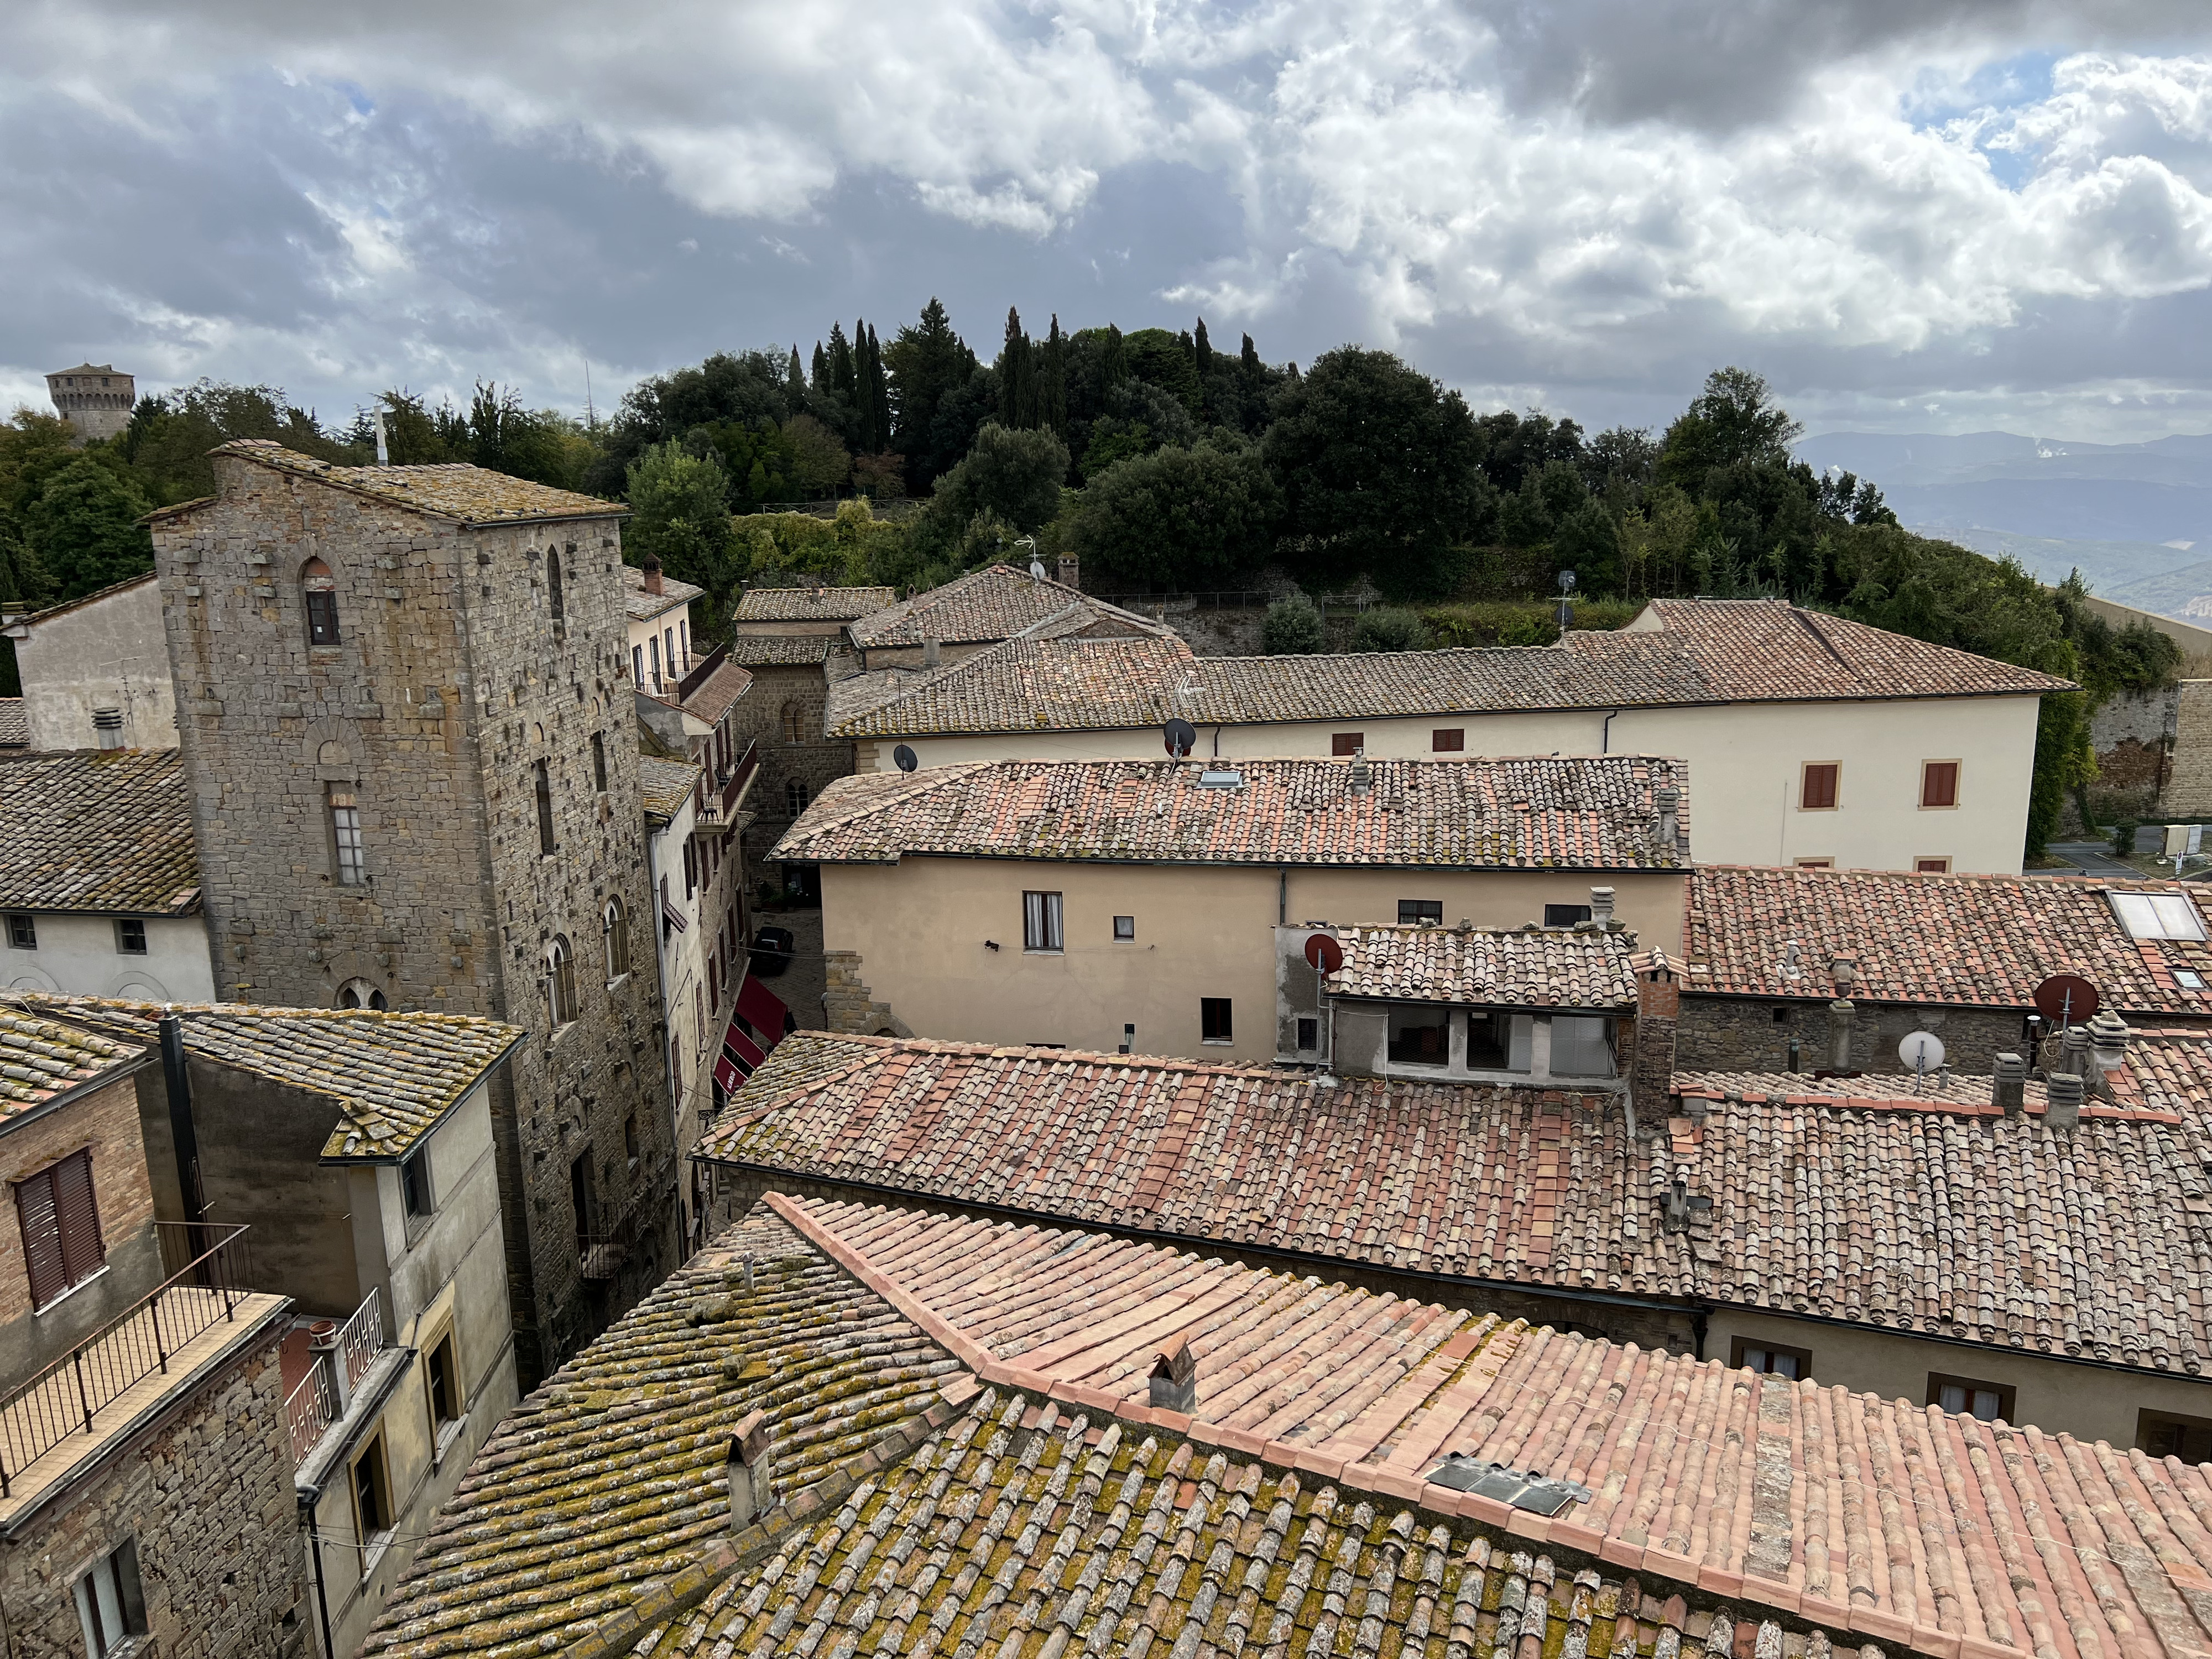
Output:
x=410 y=737
x=93 y=398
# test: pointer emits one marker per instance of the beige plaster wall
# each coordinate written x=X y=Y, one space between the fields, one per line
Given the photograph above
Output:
x=919 y=928
x=110 y=654
x=1743 y=761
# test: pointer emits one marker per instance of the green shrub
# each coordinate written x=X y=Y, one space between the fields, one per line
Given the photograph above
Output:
x=1529 y=627
x=1389 y=628
x=1292 y=628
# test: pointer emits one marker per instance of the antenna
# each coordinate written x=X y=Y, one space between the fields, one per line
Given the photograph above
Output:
x=1566 y=610
x=1181 y=736
x=383 y=455
x=591 y=415
x=904 y=758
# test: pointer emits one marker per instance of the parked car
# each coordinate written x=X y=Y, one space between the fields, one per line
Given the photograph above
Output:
x=772 y=950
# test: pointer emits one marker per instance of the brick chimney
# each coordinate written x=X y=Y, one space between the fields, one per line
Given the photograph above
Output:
x=1651 y=1052
x=749 y=1490
x=652 y=584
x=1071 y=571
x=930 y=656
x=1175 y=1378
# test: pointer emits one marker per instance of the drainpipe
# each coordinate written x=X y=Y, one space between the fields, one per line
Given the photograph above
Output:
x=1605 y=733
x=1698 y=1332
x=183 y=1135
x=322 y=1591
x=1282 y=896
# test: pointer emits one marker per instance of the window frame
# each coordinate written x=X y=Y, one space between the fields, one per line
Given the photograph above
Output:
x=1448 y=740
x=1834 y=769
x=1958 y=777
x=560 y=997
x=1344 y=745
x=1425 y=913
x=1307 y=1033
x=1583 y=912
x=371 y=1457
x=448 y=1413
x=2121 y=901
x=614 y=935
x=556 y=600
x=348 y=840
x=1125 y=930
x=22 y=923
x=319 y=595
x=1216 y=1017
x=53 y=1236
x=1920 y=865
x=128 y=1595
x=2197 y=1429
x=418 y=1194
x=1739 y=1347
x=1044 y=923
x=600 y=761
x=541 y=787
x=1819 y=862
x=2008 y=1395
x=128 y=928
x=796 y=797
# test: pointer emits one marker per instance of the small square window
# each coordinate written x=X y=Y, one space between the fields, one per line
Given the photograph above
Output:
x=1931 y=866
x=1782 y=1012
x=1969 y=1398
x=1817 y=791
x=1346 y=743
x=1213 y=1021
x=2189 y=979
x=131 y=936
x=1125 y=927
x=1448 y=740
x=1771 y=1359
x=1414 y=913
x=414 y=1180
x=22 y=932
x=1566 y=915
x=1816 y=863
x=1938 y=783
x=1309 y=1035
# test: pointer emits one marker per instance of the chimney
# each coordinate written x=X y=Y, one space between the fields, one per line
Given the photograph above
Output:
x=652 y=575
x=750 y=1489
x=1844 y=971
x=1602 y=906
x=1362 y=779
x=1175 y=1378
x=1669 y=800
x=1651 y=1055
x=2009 y=1091
x=184 y=1132
x=2109 y=1037
x=1071 y=571
x=1840 y=1013
x=2065 y=1111
x=383 y=452
x=322 y=1350
x=2073 y=1051
x=930 y=657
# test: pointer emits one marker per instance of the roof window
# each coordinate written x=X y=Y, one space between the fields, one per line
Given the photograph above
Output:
x=2158 y=915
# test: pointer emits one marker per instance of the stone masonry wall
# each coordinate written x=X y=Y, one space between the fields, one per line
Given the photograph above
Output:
x=846 y=1003
x=813 y=762
x=2188 y=781
x=451 y=684
x=1742 y=1034
x=206 y=1494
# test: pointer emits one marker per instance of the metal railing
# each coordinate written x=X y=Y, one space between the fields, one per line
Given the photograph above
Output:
x=600 y=1255
x=68 y=1396
x=703 y=672
x=718 y=802
x=321 y=1397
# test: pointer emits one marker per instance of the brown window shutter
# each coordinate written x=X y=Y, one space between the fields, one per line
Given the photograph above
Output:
x=42 y=1237
x=83 y=1252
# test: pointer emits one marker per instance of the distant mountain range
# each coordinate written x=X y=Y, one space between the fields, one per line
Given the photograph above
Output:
x=2135 y=518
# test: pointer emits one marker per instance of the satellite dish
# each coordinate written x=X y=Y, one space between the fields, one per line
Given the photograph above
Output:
x=1324 y=953
x=904 y=758
x=1921 y=1051
x=1181 y=736
x=1566 y=581
x=2066 y=1000
x=1037 y=568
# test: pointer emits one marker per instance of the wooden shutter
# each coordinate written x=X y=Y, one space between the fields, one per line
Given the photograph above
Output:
x=83 y=1252
x=42 y=1237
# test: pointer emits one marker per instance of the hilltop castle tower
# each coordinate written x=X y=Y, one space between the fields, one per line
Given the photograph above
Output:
x=93 y=398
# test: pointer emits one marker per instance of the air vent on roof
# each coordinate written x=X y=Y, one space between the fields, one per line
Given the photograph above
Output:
x=1539 y=1494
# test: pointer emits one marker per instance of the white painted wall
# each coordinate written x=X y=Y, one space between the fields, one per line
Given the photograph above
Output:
x=672 y=629
x=77 y=956
x=682 y=962
x=1744 y=761
x=110 y=654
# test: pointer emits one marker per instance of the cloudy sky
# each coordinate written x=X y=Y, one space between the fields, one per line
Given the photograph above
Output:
x=1914 y=215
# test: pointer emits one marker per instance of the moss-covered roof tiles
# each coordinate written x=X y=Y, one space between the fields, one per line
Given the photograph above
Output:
x=664 y=785
x=813 y=604
x=467 y=495
x=40 y=1060
x=107 y=831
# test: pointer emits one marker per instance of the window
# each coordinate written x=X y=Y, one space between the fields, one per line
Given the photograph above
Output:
x=1346 y=743
x=22 y=933
x=1816 y=863
x=1213 y=1022
x=614 y=926
x=1448 y=740
x=683 y=637
x=637 y=665
x=322 y=598
x=2166 y=1434
x=690 y=868
x=1566 y=915
x=600 y=761
x=1412 y=913
x=789 y=721
x=1939 y=784
x=655 y=644
x=2158 y=915
x=131 y=935
x=1771 y=1360
x=1420 y=1036
x=1582 y=1045
x=545 y=787
x=109 y=1603
x=1041 y=917
x=441 y=1378
x=668 y=638
x=415 y=1181
x=359 y=994
x=794 y=796
x=60 y=1219
x=560 y=983
x=1489 y=1034
x=583 y=1198
x=1125 y=927
x=2189 y=979
x=1987 y=1401
x=345 y=839
x=629 y=1139
x=372 y=1496
x=1931 y=866
x=1816 y=788
x=555 y=604
x=1783 y=1014
x=1309 y=1035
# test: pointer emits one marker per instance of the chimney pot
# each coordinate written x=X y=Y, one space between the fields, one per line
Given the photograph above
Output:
x=1175 y=1377
x=1602 y=906
x=653 y=582
x=2109 y=1036
x=1844 y=970
x=1840 y=1013
x=1668 y=799
x=1071 y=571
x=929 y=651
x=2009 y=1090
x=2065 y=1111
x=1362 y=779
x=748 y=1470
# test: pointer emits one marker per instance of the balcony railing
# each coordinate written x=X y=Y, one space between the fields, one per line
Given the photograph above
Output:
x=600 y=1255
x=341 y=1360
x=703 y=673
x=718 y=802
x=63 y=1399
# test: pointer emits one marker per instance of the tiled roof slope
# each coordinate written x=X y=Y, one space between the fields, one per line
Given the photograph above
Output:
x=610 y=1477
x=464 y=494
x=664 y=785
x=1547 y=968
x=1590 y=813
x=813 y=604
x=2095 y=1242
x=392 y=1076
x=40 y=1060
x=1989 y=940
x=994 y=603
x=712 y=698
x=14 y=724
x=782 y=650
x=102 y=830
x=1753 y=650
x=644 y=606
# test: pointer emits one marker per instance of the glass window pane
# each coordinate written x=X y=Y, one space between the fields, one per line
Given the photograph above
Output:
x=1519 y=1050
x=1582 y=1045
x=1420 y=1036
x=1954 y=1398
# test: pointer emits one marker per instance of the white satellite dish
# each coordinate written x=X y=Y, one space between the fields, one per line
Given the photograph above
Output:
x=1921 y=1051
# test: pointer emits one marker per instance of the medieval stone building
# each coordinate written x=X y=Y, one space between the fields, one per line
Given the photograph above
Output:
x=407 y=728
x=93 y=398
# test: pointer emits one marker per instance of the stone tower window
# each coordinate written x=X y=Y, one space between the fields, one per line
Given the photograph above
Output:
x=555 y=602
x=346 y=844
x=544 y=809
x=322 y=598
x=561 y=982
x=359 y=994
x=791 y=726
x=600 y=761
x=794 y=795
x=615 y=927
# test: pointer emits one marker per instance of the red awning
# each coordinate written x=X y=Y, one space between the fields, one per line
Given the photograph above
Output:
x=756 y=1027
x=763 y=1011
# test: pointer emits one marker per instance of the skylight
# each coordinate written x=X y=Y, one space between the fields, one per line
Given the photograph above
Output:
x=2158 y=915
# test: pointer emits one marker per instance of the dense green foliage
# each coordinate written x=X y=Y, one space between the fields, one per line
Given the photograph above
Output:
x=1204 y=516
x=678 y=516
x=1292 y=627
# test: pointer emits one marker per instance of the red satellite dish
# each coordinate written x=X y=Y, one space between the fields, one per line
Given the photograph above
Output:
x=1324 y=953
x=2066 y=999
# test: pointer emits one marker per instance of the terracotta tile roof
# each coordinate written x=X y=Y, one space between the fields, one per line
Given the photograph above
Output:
x=610 y=1477
x=1029 y=684
x=1547 y=968
x=1936 y=1221
x=1972 y=1093
x=813 y=604
x=782 y=650
x=1756 y=650
x=665 y=785
x=714 y=696
x=1589 y=812
x=393 y=1077
x=466 y=495
x=14 y=724
x=1989 y=940
x=105 y=831
x=40 y=1059
x=644 y=606
x=994 y=603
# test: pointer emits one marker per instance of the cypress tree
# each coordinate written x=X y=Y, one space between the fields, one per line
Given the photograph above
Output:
x=1016 y=382
x=867 y=436
x=818 y=374
x=794 y=379
x=1205 y=351
x=1113 y=361
x=1052 y=381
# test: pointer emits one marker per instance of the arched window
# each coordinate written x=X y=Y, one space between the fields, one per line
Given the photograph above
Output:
x=360 y=993
x=794 y=795
x=560 y=982
x=322 y=597
x=616 y=926
x=791 y=728
x=555 y=602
